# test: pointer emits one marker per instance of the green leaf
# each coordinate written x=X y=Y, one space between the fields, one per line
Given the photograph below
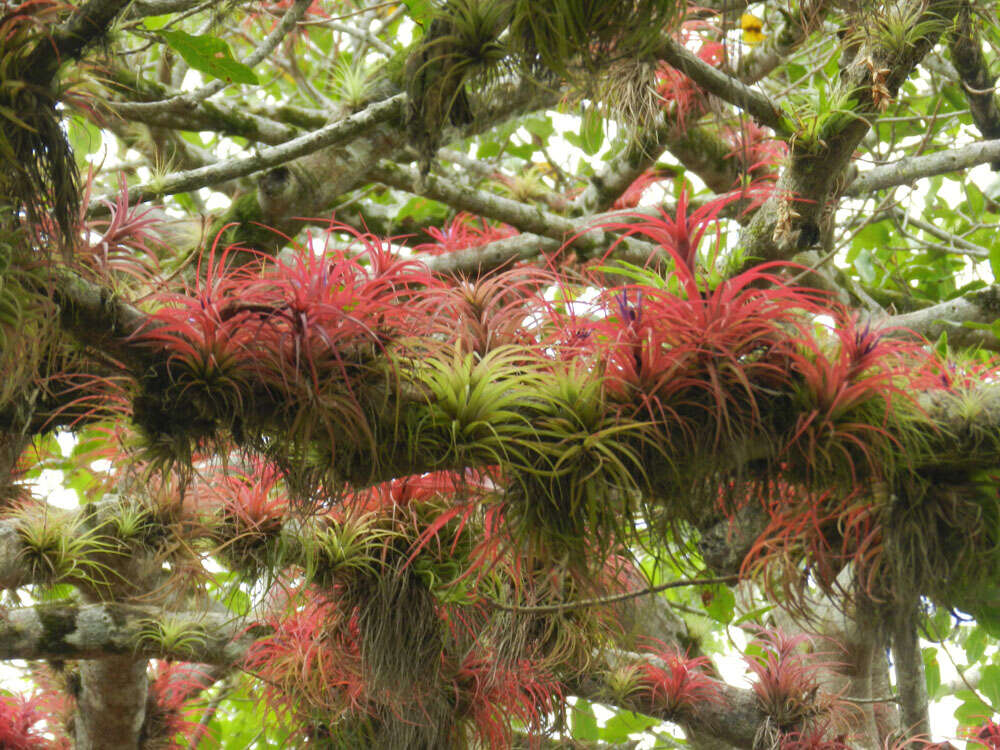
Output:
x=155 y=23
x=941 y=345
x=938 y=625
x=932 y=671
x=422 y=210
x=210 y=55
x=975 y=645
x=591 y=132
x=624 y=723
x=419 y=10
x=584 y=722
x=487 y=149
x=864 y=266
x=989 y=684
x=972 y=712
x=539 y=126
x=754 y=615
x=995 y=260
x=975 y=199
x=722 y=604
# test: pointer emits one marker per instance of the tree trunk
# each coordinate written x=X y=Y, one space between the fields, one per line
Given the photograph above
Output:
x=111 y=706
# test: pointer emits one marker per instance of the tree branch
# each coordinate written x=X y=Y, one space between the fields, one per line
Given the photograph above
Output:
x=955 y=244
x=729 y=89
x=910 y=682
x=982 y=307
x=605 y=187
x=912 y=168
x=584 y=235
x=733 y=718
x=790 y=221
x=97 y=317
x=111 y=704
x=95 y=631
x=966 y=48
x=337 y=132
x=68 y=40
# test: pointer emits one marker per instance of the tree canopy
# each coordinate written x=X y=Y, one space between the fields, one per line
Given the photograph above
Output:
x=490 y=373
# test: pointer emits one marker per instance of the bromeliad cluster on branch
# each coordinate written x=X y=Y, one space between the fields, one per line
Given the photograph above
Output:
x=520 y=438
x=670 y=398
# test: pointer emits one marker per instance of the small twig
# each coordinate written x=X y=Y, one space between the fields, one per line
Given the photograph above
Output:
x=614 y=599
x=958 y=245
x=209 y=714
x=890 y=699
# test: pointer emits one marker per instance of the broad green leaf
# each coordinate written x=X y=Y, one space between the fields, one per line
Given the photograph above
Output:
x=419 y=10
x=975 y=199
x=975 y=645
x=932 y=670
x=864 y=266
x=989 y=684
x=584 y=722
x=591 y=131
x=540 y=126
x=972 y=712
x=624 y=723
x=155 y=23
x=721 y=604
x=995 y=260
x=210 y=55
x=487 y=149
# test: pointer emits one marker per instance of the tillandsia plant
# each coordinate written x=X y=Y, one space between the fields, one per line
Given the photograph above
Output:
x=39 y=176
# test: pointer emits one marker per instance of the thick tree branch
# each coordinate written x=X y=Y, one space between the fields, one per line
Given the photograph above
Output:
x=790 y=221
x=910 y=682
x=261 y=123
x=143 y=8
x=733 y=718
x=732 y=90
x=99 y=318
x=912 y=168
x=111 y=704
x=68 y=39
x=704 y=153
x=966 y=47
x=329 y=135
x=211 y=116
x=96 y=631
x=979 y=307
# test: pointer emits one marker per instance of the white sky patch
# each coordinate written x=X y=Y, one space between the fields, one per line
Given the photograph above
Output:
x=48 y=485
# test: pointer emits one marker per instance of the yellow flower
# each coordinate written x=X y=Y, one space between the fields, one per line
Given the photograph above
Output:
x=752 y=26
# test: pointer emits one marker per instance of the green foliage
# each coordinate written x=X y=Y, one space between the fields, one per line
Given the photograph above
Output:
x=171 y=636
x=58 y=547
x=210 y=55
